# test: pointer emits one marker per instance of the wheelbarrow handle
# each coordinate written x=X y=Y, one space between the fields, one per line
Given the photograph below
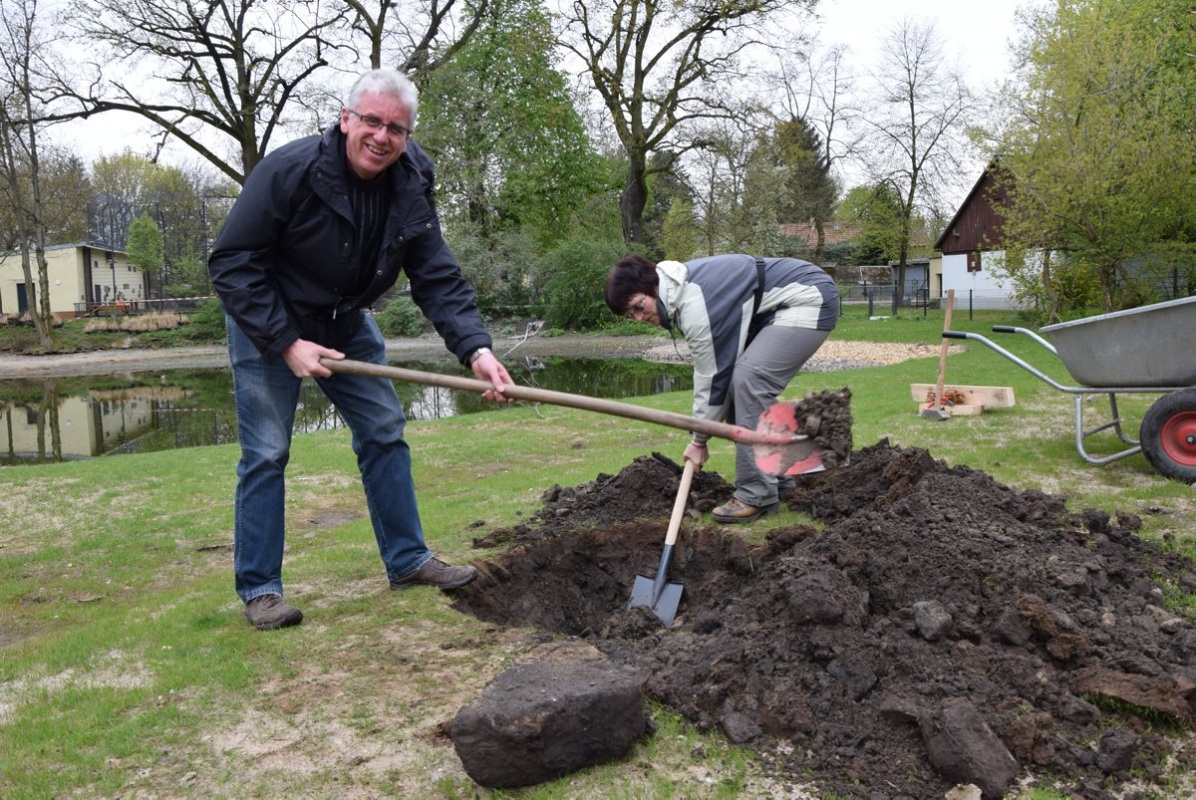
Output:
x=735 y=433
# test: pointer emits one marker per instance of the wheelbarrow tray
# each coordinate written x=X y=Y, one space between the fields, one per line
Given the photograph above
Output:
x=1148 y=346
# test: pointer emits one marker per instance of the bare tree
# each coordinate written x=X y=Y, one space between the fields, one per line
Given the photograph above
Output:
x=209 y=71
x=816 y=90
x=21 y=51
x=380 y=21
x=916 y=130
x=658 y=66
x=197 y=67
x=725 y=169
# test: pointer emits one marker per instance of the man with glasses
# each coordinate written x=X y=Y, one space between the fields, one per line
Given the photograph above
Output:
x=322 y=228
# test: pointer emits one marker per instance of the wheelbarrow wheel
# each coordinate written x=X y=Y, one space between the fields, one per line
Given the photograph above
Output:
x=1168 y=435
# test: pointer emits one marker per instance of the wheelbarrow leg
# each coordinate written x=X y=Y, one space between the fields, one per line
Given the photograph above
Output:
x=1114 y=422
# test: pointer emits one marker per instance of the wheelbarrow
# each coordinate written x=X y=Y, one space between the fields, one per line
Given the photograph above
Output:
x=1145 y=350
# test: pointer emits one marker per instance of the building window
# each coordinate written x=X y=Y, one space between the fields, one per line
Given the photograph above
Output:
x=974 y=261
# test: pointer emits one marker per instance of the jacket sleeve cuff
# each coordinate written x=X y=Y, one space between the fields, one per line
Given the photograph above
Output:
x=471 y=346
x=274 y=350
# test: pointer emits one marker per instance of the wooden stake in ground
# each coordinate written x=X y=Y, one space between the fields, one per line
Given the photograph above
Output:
x=937 y=411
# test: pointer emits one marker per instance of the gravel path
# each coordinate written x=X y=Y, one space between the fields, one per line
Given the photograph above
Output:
x=834 y=356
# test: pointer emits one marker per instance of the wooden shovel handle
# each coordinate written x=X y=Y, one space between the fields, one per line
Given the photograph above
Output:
x=687 y=476
x=944 y=346
x=735 y=433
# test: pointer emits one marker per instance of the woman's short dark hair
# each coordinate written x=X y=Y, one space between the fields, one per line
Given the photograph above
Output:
x=630 y=275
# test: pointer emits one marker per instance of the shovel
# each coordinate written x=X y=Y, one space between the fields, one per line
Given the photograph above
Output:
x=656 y=593
x=776 y=447
x=936 y=410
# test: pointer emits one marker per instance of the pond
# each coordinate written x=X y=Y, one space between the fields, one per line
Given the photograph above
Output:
x=84 y=417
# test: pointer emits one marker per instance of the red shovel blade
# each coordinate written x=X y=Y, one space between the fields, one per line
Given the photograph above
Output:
x=793 y=458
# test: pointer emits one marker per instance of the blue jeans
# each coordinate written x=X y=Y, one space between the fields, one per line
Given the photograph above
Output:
x=266 y=395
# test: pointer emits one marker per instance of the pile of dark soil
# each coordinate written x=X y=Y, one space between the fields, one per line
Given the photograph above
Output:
x=930 y=605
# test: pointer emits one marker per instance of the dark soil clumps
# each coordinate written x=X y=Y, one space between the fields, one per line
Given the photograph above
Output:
x=826 y=418
x=924 y=607
x=644 y=489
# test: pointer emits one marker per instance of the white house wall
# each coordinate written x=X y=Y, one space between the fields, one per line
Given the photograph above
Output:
x=981 y=289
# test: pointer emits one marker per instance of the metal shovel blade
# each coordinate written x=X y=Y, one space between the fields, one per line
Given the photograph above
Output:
x=798 y=457
x=657 y=593
x=643 y=593
x=933 y=412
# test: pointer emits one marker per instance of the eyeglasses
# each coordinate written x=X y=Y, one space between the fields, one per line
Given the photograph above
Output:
x=374 y=123
x=639 y=307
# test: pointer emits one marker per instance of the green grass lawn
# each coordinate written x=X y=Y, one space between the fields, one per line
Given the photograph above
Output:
x=126 y=668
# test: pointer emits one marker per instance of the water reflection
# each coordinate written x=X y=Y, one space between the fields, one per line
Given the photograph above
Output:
x=69 y=418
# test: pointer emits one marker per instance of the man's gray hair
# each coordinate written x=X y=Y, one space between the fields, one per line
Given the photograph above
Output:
x=386 y=81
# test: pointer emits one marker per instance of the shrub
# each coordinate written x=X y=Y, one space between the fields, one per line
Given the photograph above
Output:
x=401 y=317
x=206 y=323
x=573 y=277
x=498 y=268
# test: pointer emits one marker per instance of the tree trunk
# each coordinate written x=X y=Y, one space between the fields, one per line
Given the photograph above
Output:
x=41 y=308
x=1106 y=285
x=1048 y=286
x=11 y=168
x=632 y=202
x=43 y=282
x=902 y=255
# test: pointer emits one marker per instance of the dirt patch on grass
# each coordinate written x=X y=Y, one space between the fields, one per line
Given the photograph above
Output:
x=837 y=650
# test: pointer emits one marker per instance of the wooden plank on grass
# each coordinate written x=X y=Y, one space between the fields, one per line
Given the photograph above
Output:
x=985 y=396
x=964 y=411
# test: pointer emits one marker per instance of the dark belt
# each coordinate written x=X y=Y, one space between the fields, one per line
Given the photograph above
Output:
x=759 y=286
x=758 y=322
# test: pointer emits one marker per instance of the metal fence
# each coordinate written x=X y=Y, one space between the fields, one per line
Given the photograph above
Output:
x=884 y=299
x=132 y=307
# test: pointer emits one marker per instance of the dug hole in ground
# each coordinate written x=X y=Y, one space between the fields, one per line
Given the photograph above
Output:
x=939 y=629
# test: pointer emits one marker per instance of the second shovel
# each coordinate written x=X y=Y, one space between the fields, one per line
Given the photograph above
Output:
x=657 y=593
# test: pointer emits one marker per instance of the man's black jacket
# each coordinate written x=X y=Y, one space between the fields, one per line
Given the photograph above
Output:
x=285 y=262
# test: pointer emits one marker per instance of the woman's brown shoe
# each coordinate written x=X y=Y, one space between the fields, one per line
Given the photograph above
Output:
x=735 y=510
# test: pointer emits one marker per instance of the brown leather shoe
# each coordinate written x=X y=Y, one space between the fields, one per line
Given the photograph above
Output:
x=269 y=611
x=437 y=573
x=735 y=510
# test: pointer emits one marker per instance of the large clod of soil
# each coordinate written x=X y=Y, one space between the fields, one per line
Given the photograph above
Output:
x=925 y=606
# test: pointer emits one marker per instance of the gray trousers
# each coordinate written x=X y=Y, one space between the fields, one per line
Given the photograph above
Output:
x=762 y=373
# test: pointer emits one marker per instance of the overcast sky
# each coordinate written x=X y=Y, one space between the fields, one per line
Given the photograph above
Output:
x=977 y=33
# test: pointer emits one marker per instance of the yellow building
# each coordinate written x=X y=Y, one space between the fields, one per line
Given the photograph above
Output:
x=83 y=278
